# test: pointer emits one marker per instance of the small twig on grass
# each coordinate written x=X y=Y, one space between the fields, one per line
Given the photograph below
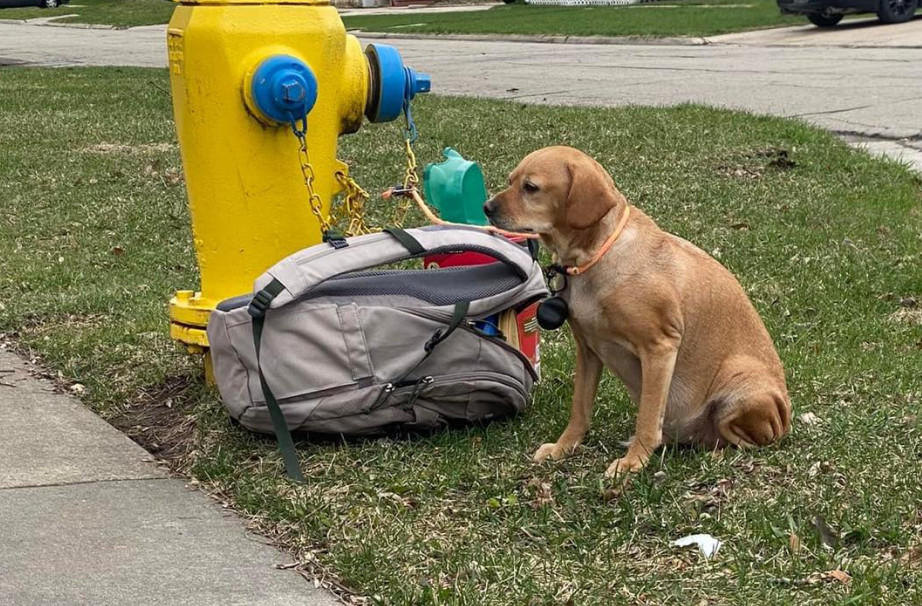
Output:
x=163 y=90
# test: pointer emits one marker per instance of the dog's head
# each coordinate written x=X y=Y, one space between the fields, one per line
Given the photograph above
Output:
x=552 y=190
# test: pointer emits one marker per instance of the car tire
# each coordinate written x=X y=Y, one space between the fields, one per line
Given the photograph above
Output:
x=897 y=11
x=824 y=20
x=54 y=3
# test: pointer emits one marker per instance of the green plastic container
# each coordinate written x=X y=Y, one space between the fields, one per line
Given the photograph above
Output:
x=456 y=188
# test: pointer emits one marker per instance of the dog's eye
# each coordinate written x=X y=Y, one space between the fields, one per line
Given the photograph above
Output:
x=530 y=187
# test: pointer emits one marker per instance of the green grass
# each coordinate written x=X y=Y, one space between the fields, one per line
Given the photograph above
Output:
x=706 y=18
x=119 y=13
x=94 y=237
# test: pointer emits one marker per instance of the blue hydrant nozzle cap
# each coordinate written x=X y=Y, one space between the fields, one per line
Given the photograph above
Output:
x=284 y=86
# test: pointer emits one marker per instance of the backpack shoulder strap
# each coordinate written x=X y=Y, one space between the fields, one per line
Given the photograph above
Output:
x=257 y=310
x=304 y=270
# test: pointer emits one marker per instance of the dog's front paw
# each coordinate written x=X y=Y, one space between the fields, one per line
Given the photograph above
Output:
x=625 y=465
x=552 y=450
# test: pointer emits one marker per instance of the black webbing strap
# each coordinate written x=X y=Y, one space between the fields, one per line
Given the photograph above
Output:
x=457 y=317
x=257 y=309
x=409 y=242
x=534 y=248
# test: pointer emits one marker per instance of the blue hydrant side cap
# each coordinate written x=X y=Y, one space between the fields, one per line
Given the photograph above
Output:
x=392 y=83
x=284 y=88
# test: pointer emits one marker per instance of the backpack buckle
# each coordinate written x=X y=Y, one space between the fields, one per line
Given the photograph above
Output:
x=335 y=239
x=432 y=342
x=259 y=304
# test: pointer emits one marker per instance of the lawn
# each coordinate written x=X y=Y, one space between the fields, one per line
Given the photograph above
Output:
x=94 y=237
x=698 y=18
x=119 y=13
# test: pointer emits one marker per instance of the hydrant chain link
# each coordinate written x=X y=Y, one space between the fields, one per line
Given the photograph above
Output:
x=307 y=170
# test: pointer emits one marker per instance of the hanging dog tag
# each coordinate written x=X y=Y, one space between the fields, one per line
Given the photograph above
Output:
x=552 y=313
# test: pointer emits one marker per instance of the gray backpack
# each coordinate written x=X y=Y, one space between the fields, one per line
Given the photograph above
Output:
x=329 y=344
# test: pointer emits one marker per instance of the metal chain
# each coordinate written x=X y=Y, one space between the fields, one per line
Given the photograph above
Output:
x=353 y=195
x=411 y=178
x=410 y=181
x=354 y=198
x=307 y=170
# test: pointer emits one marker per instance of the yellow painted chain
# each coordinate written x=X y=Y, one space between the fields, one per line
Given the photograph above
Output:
x=354 y=198
x=410 y=181
x=314 y=200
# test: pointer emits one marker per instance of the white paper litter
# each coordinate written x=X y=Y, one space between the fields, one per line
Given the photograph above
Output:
x=808 y=418
x=707 y=544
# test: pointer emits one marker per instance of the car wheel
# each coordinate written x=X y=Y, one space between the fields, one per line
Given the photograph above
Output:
x=54 y=3
x=824 y=20
x=897 y=11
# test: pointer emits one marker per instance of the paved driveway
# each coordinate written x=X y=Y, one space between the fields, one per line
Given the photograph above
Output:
x=871 y=95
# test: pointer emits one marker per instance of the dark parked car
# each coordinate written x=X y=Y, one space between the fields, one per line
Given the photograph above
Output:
x=39 y=3
x=827 y=13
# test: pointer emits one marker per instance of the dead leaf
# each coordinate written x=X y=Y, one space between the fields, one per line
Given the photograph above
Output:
x=611 y=494
x=907 y=315
x=840 y=576
x=794 y=543
x=912 y=558
x=117 y=250
x=543 y=495
x=78 y=388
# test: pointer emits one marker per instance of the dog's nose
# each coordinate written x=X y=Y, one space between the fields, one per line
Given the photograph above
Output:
x=489 y=207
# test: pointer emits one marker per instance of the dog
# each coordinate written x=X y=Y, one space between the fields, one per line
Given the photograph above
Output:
x=669 y=320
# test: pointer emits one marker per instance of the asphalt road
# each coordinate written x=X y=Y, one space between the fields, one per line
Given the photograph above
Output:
x=870 y=94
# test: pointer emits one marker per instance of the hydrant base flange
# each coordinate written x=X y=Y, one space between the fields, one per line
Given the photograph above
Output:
x=189 y=318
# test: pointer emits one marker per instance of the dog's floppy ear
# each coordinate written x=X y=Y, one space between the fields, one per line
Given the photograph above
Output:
x=592 y=193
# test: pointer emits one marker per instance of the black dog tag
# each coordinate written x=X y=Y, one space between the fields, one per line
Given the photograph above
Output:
x=552 y=313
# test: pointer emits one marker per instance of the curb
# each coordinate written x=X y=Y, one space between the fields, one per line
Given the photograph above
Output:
x=620 y=40
x=55 y=24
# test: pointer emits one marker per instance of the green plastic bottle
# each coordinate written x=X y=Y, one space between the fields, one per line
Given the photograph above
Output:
x=456 y=188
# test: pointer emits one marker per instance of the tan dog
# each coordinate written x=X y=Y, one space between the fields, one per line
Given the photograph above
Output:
x=668 y=319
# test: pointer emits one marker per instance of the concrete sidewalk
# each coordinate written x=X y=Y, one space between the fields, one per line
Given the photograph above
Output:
x=86 y=517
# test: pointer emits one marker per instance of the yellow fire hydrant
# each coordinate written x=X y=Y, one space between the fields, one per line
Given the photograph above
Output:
x=261 y=92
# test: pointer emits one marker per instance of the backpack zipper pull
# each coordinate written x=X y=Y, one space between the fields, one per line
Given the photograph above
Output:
x=382 y=398
x=414 y=395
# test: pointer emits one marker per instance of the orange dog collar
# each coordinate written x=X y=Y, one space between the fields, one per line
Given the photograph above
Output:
x=575 y=271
